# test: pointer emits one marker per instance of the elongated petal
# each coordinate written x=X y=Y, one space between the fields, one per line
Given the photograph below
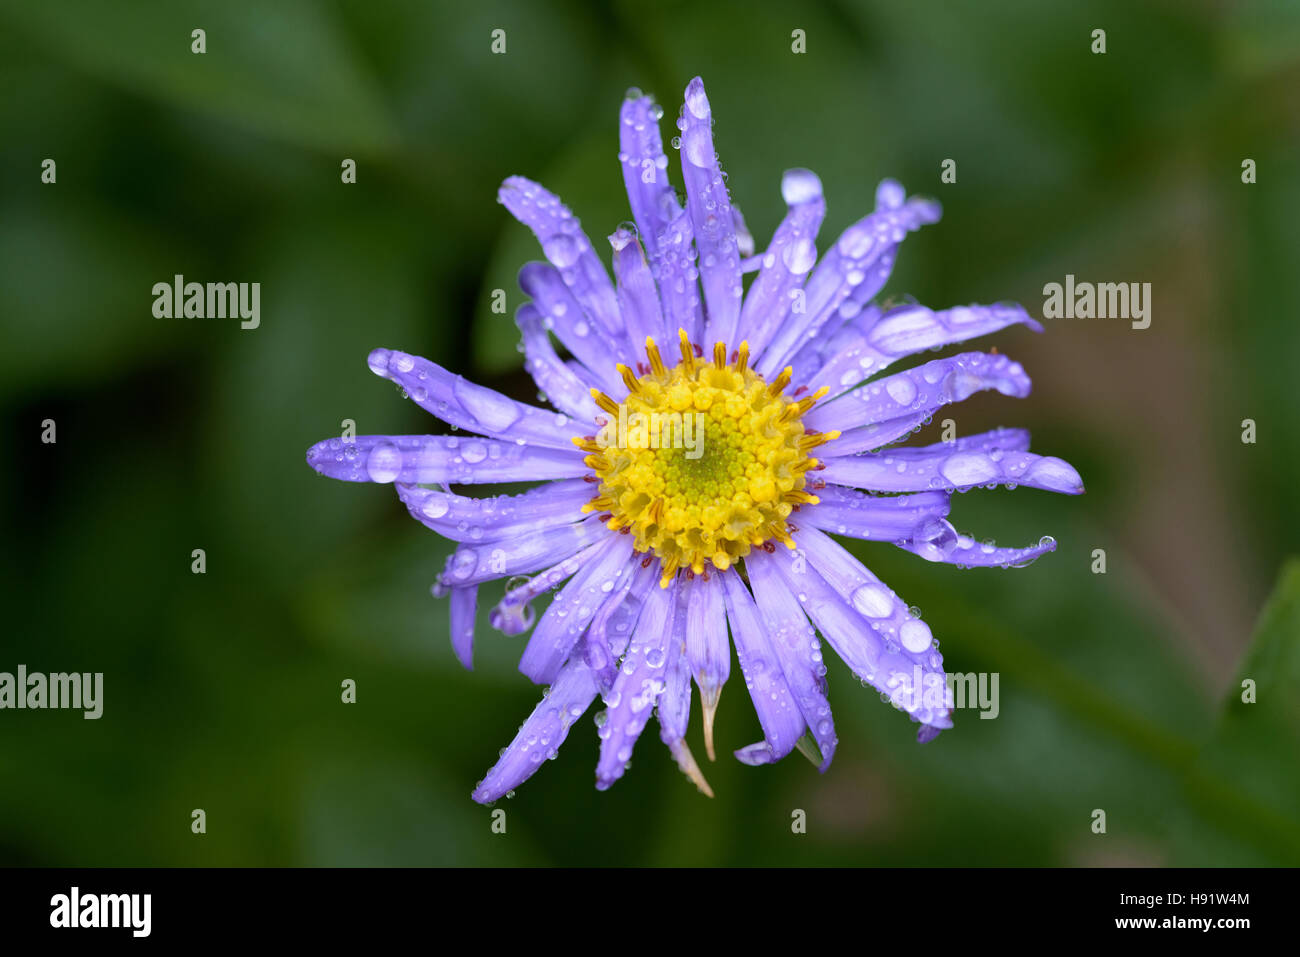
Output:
x=709 y=206
x=942 y=467
x=611 y=629
x=774 y=703
x=881 y=518
x=674 y=709
x=708 y=650
x=459 y=402
x=590 y=346
x=939 y=544
x=645 y=169
x=558 y=382
x=465 y=519
x=911 y=328
x=679 y=293
x=566 y=619
x=795 y=642
x=513 y=614
x=638 y=297
x=639 y=684
x=922 y=390
x=837 y=362
x=787 y=262
x=474 y=564
x=566 y=247
x=435 y=459
x=464 y=606
x=875 y=601
x=542 y=733
x=861 y=257
x=914 y=682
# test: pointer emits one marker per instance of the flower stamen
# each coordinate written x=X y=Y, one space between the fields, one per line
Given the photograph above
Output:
x=704 y=461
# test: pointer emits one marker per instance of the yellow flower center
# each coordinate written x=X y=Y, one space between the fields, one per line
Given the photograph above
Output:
x=701 y=462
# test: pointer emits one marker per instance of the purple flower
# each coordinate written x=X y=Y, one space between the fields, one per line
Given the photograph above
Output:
x=705 y=444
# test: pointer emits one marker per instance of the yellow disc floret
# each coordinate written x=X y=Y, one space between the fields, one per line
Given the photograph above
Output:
x=703 y=461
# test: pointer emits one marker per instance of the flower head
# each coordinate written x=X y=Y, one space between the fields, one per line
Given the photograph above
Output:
x=705 y=443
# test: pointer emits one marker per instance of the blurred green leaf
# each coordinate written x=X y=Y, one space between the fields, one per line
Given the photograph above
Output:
x=286 y=73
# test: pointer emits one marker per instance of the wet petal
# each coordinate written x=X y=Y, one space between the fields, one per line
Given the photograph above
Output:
x=852 y=271
x=463 y=518
x=590 y=346
x=638 y=297
x=795 y=642
x=566 y=619
x=951 y=469
x=881 y=518
x=434 y=459
x=678 y=291
x=908 y=329
x=464 y=404
x=787 y=262
x=557 y=381
x=778 y=713
x=542 y=733
x=639 y=684
x=708 y=650
x=674 y=710
x=474 y=564
x=464 y=606
x=611 y=629
x=869 y=627
x=645 y=169
x=922 y=390
x=709 y=206
x=566 y=247
x=939 y=544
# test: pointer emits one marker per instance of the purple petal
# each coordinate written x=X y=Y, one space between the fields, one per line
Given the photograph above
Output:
x=909 y=329
x=881 y=518
x=611 y=628
x=459 y=402
x=465 y=519
x=861 y=257
x=555 y=303
x=836 y=361
x=638 y=297
x=645 y=169
x=464 y=606
x=639 y=684
x=863 y=627
x=922 y=390
x=786 y=263
x=474 y=564
x=938 y=544
x=708 y=650
x=709 y=206
x=795 y=642
x=569 y=613
x=513 y=614
x=566 y=247
x=674 y=711
x=558 y=383
x=952 y=469
x=678 y=291
x=778 y=713
x=434 y=459
x=542 y=733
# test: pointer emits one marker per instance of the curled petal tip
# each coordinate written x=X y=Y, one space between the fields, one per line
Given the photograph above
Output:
x=709 y=703
x=686 y=761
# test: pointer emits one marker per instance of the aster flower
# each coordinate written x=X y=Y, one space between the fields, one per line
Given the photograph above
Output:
x=664 y=559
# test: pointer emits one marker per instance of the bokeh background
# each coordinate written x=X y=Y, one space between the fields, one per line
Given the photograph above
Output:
x=222 y=691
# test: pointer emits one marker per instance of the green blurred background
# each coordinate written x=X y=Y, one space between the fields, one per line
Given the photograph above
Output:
x=1118 y=691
